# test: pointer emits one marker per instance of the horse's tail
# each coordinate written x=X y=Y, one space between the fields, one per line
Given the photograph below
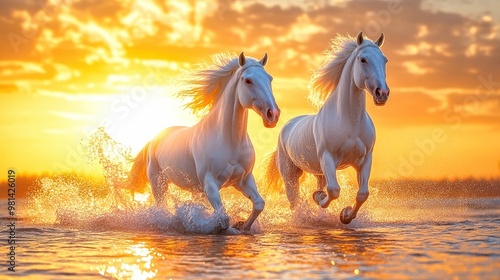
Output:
x=137 y=178
x=272 y=178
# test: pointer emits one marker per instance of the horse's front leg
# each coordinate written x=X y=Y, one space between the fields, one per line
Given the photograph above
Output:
x=249 y=188
x=211 y=189
x=329 y=169
x=349 y=213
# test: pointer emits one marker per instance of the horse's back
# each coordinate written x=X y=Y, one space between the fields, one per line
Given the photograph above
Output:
x=167 y=132
x=293 y=126
x=169 y=139
x=172 y=152
x=297 y=140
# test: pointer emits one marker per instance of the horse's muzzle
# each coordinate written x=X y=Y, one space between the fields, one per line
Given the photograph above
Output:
x=381 y=96
x=271 y=116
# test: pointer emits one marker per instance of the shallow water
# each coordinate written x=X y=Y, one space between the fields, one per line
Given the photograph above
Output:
x=460 y=240
x=70 y=227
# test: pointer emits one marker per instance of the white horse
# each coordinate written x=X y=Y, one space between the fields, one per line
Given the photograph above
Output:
x=342 y=133
x=217 y=151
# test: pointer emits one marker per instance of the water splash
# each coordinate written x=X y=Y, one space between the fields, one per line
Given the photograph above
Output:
x=308 y=214
x=115 y=160
x=81 y=201
x=84 y=202
x=66 y=199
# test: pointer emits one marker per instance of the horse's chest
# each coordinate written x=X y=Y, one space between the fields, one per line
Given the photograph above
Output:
x=351 y=152
x=229 y=167
x=232 y=173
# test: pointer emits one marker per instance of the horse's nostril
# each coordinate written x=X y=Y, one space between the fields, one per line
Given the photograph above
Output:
x=269 y=114
x=377 y=92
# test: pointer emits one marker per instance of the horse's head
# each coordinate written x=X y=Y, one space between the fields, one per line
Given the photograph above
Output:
x=369 y=69
x=254 y=89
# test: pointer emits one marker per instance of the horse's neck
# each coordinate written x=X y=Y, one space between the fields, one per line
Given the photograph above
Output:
x=347 y=101
x=228 y=118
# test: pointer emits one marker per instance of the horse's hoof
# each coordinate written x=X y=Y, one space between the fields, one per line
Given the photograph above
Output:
x=220 y=229
x=344 y=214
x=239 y=225
x=222 y=224
x=318 y=196
x=231 y=231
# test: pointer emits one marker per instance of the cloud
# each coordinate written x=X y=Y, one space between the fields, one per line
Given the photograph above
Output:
x=476 y=107
x=72 y=116
x=96 y=97
x=99 y=46
x=421 y=107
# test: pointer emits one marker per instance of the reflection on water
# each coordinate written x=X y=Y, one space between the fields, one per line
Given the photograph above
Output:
x=294 y=255
x=71 y=228
x=138 y=263
x=459 y=246
x=461 y=249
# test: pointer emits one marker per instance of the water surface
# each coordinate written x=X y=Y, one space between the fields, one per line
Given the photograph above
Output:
x=439 y=239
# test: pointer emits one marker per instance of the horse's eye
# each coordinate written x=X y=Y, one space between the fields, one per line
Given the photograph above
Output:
x=363 y=60
x=248 y=81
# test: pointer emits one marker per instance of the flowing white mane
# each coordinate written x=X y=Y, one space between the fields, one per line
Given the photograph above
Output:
x=205 y=85
x=327 y=76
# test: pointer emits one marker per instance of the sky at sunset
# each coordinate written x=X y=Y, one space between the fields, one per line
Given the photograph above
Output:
x=68 y=67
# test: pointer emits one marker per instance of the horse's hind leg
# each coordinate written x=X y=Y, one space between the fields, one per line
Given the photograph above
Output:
x=320 y=194
x=291 y=175
x=159 y=182
x=320 y=181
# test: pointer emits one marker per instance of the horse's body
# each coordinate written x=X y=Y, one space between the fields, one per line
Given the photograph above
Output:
x=217 y=151
x=342 y=133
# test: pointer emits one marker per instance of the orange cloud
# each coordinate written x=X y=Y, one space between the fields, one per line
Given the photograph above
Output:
x=441 y=69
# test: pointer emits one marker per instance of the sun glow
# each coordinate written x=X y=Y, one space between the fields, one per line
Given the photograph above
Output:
x=134 y=121
x=69 y=69
x=141 y=268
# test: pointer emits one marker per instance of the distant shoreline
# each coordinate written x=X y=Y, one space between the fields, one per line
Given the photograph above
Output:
x=470 y=187
x=439 y=188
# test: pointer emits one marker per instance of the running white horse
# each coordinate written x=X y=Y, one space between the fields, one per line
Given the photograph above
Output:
x=217 y=151
x=342 y=133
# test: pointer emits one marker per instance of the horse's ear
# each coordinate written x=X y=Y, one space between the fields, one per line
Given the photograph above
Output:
x=360 y=38
x=263 y=61
x=241 y=59
x=380 y=40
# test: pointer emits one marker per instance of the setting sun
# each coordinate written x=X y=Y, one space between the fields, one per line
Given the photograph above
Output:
x=134 y=121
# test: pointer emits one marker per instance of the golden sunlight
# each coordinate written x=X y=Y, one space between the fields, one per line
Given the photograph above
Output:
x=258 y=188
x=136 y=121
x=91 y=65
x=139 y=266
